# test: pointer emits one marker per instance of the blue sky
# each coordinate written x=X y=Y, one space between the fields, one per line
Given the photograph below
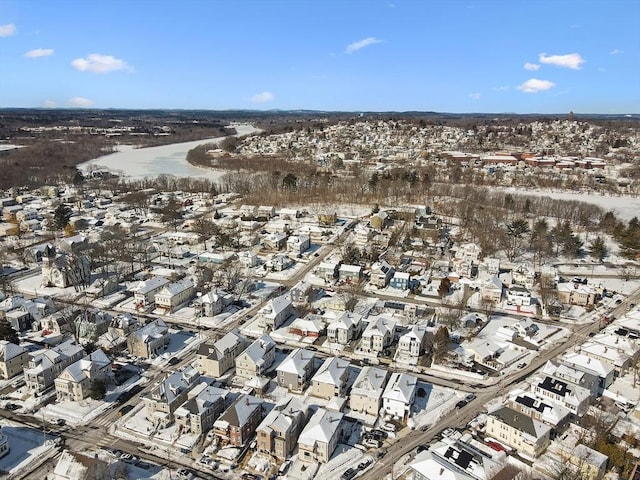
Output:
x=523 y=56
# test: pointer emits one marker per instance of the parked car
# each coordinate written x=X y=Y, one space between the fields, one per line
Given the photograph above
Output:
x=461 y=403
x=12 y=406
x=349 y=474
x=470 y=397
x=364 y=464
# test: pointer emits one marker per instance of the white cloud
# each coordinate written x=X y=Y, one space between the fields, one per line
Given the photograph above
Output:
x=39 y=52
x=98 y=63
x=49 y=104
x=80 y=102
x=570 y=60
x=7 y=30
x=615 y=51
x=531 y=66
x=365 y=42
x=534 y=85
x=262 y=97
x=474 y=96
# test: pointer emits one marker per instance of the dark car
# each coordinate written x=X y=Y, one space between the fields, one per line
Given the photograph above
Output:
x=124 y=410
x=365 y=464
x=174 y=361
x=349 y=474
x=422 y=448
x=12 y=406
x=461 y=404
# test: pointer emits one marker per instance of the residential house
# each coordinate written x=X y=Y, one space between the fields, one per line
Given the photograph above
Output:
x=150 y=340
x=257 y=358
x=275 y=313
x=301 y=292
x=171 y=296
x=214 y=359
x=600 y=368
x=575 y=398
x=296 y=370
x=411 y=345
x=327 y=218
x=398 y=396
x=275 y=241
x=378 y=335
x=345 y=328
x=366 y=393
x=517 y=295
x=237 y=425
x=518 y=431
x=619 y=360
x=400 y=281
x=586 y=380
x=13 y=359
x=379 y=220
x=491 y=291
x=310 y=326
x=492 y=265
x=573 y=293
x=74 y=383
x=523 y=276
x=381 y=273
x=144 y=294
x=320 y=437
x=331 y=379
x=278 y=262
x=213 y=302
x=171 y=392
x=350 y=273
x=278 y=433
x=202 y=408
x=298 y=244
x=92 y=323
x=327 y=271
x=550 y=413
x=45 y=365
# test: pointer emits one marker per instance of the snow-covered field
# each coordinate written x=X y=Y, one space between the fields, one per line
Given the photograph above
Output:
x=625 y=207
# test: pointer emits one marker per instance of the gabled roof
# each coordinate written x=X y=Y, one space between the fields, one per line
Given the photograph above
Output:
x=150 y=285
x=370 y=382
x=241 y=410
x=401 y=388
x=256 y=351
x=9 y=350
x=520 y=422
x=334 y=371
x=321 y=428
x=296 y=362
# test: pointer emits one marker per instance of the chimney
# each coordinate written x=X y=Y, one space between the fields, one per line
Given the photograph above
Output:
x=441 y=471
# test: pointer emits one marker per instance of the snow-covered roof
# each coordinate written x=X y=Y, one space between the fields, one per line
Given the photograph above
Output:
x=370 y=382
x=334 y=371
x=296 y=362
x=401 y=388
x=241 y=410
x=322 y=427
x=9 y=350
x=150 y=285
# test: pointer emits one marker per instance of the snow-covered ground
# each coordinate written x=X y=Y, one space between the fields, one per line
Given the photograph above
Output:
x=26 y=445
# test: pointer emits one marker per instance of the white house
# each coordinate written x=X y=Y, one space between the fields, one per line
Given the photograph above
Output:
x=398 y=396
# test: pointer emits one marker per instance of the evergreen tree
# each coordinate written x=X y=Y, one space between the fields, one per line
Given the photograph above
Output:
x=7 y=332
x=61 y=216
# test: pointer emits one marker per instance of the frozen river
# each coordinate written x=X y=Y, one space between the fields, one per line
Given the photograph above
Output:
x=166 y=159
